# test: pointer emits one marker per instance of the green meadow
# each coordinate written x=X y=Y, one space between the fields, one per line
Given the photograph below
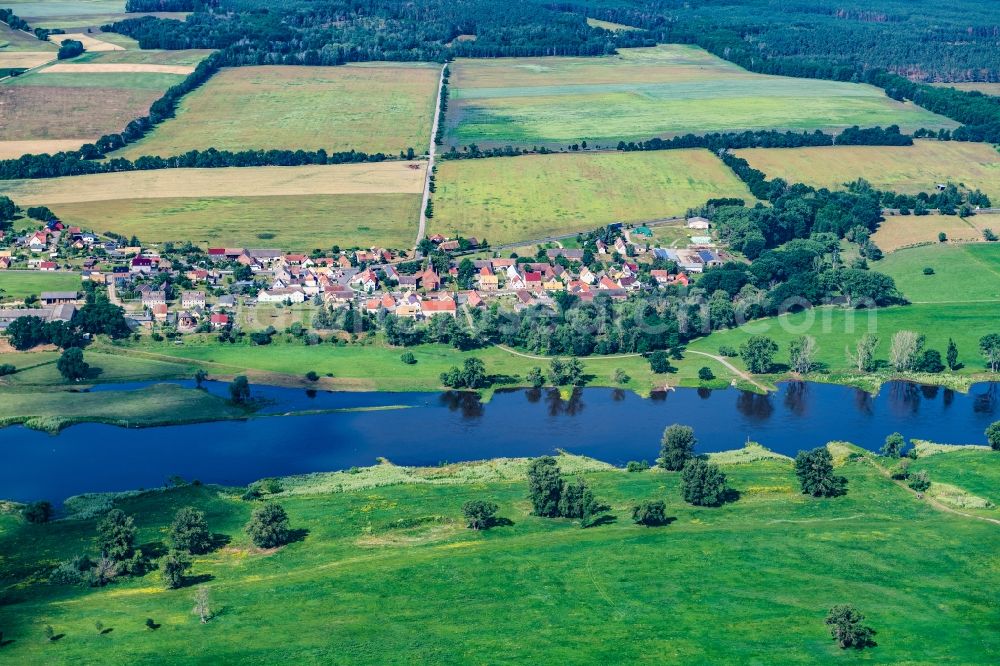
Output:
x=383 y=570
x=17 y=285
x=962 y=273
x=535 y=196
x=117 y=80
x=642 y=93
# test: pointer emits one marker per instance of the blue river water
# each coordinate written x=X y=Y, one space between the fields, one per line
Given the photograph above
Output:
x=611 y=425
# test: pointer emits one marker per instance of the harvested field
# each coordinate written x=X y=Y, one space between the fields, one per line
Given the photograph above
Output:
x=82 y=21
x=13 y=149
x=152 y=57
x=114 y=68
x=374 y=107
x=375 y=178
x=532 y=197
x=909 y=169
x=899 y=231
x=25 y=59
x=985 y=88
x=293 y=222
x=646 y=92
x=89 y=42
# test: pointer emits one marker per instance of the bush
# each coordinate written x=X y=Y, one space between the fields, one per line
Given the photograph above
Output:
x=901 y=471
x=408 y=358
x=846 y=627
x=634 y=466
x=7 y=369
x=621 y=377
x=268 y=526
x=989 y=235
x=928 y=271
x=38 y=512
x=479 y=514
x=703 y=484
x=942 y=237
x=312 y=376
x=174 y=566
x=70 y=48
x=993 y=435
x=705 y=374
x=920 y=482
x=72 y=572
x=650 y=513
x=189 y=531
x=726 y=350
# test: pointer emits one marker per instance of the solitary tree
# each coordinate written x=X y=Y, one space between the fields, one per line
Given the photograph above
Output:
x=200 y=376
x=993 y=435
x=659 y=362
x=189 y=531
x=174 y=566
x=201 y=605
x=239 y=390
x=904 y=350
x=71 y=364
x=815 y=472
x=952 y=355
x=479 y=514
x=536 y=378
x=703 y=484
x=545 y=486
x=116 y=535
x=847 y=628
x=863 y=356
x=268 y=526
x=893 y=446
x=758 y=353
x=676 y=447
x=650 y=513
x=989 y=346
x=802 y=354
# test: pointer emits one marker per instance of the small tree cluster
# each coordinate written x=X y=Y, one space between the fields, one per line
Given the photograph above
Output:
x=814 y=470
x=703 y=484
x=471 y=375
x=650 y=513
x=551 y=497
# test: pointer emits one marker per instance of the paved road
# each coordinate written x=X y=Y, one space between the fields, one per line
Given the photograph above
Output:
x=431 y=151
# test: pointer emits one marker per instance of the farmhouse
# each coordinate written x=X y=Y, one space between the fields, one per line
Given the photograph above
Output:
x=193 y=299
x=55 y=313
x=58 y=297
x=698 y=223
x=292 y=294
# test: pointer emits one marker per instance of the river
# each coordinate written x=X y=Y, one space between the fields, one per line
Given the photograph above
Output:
x=611 y=425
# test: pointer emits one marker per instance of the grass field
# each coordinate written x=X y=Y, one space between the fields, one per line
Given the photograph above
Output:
x=15 y=285
x=608 y=25
x=908 y=169
x=965 y=322
x=152 y=57
x=529 y=197
x=377 y=107
x=898 y=231
x=18 y=41
x=968 y=273
x=297 y=208
x=973 y=470
x=985 y=88
x=389 y=570
x=50 y=8
x=642 y=93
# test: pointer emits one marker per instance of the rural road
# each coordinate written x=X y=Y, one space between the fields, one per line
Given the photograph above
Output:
x=431 y=151
x=732 y=368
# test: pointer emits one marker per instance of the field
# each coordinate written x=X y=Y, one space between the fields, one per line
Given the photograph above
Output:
x=372 y=108
x=749 y=582
x=642 y=93
x=962 y=273
x=985 y=88
x=529 y=197
x=16 y=285
x=90 y=43
x=74 y=107
x=296 y=208
x=908 y=169
x=898 y=231
x=17 y=41
x=608 y=25
x=189 y=57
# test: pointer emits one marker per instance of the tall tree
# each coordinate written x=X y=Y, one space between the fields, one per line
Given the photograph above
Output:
x=816 y=476
x=758 y=353
x=676 y=447
x=268 y=526
x=189 y=531
x=703 y=484
x=545 y=486
x=802 y=354
x=989 y=347
x=116 y=535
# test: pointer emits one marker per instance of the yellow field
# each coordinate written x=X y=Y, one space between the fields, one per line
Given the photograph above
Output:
x=91 y=44
x=375 y=178
x=372 y=108
x=26 y=59
x=898 y=231
x=114 y=68
x=908 y=169
x=10 y=150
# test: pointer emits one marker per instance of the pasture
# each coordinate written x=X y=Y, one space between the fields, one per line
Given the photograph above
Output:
x=297 y=208
x=898 y=231
x=533 y=589
x=642 y=93
x=372 y=108
x=535 y=196
x=907 y=169
x=962 y=273
x=18 y=284
x=19 y=41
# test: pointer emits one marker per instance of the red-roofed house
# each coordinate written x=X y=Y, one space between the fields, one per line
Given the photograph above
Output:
x=219 y=320
x=444 y=306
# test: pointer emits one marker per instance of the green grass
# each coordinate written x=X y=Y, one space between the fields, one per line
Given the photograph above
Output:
x=962 y=273
x=152 y=57
x=297 y=222
x=18 y=41
x=534 y=196
x=54 y=8
x=642 y=93
x=16 y=285
x=380 y=107
x=118 y=80
x=832 y=328
x=976 y=471
x=749 y=582
x=38 y=369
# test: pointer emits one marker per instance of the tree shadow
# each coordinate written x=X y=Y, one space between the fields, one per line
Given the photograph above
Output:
x=779 y=368
x=297 y=535
x=5 y=643
x=606 y=519
x=503 y=380
x=219 y=541
x=500 y=521
x=660 y=523
x=153 y=550
x=107 y=631
x=93 y=372
x=57 y=637
x=731 y=495
x=196 y=580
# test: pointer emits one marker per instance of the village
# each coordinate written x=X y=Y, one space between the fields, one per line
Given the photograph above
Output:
x=182 y=289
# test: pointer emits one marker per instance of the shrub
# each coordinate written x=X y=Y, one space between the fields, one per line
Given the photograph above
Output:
x=621 y=377
x=942 y=237
x=705 y=374
x=408 y=358
x=901 y=471
x=268 y=526
x=993 y=435
x=650 y=513
x=815 y=472
x=928 y=271
x=703 y=484
x=636 y=466
x=7 y=369
x=726 y=350
x=989 y=235
x=920 y=482
x=479 y=514
x=312 y=376
x=38 y=512
x=73 y=571
x=846 y=627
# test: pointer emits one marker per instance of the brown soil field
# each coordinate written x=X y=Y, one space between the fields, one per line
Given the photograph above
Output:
x=899 y=231
x=10 y=150
x=57 y=112
x=113 y=68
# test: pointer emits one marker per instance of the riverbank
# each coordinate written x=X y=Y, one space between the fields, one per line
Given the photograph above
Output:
x=387 y=544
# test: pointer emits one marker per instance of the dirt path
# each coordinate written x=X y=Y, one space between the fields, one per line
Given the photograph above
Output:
x=549 y=358
x=732 y=368
x=431 y=152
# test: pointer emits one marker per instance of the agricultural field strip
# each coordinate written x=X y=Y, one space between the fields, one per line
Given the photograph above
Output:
x=115 y=68
x=89 y=43
x=26 y=59
x=368 y=178
x=10 y=150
